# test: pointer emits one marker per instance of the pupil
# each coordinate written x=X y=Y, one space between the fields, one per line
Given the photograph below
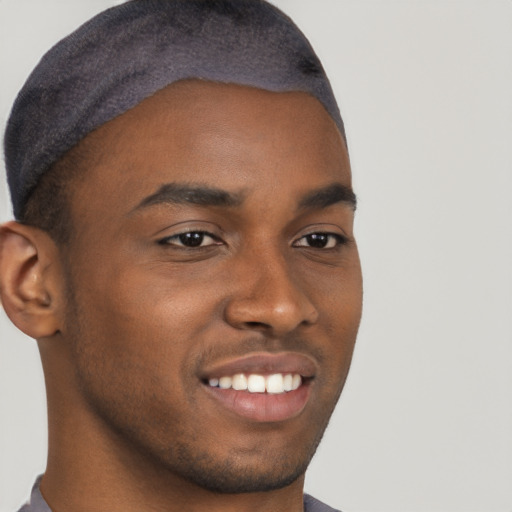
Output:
x=317 y=240
x=192 y=239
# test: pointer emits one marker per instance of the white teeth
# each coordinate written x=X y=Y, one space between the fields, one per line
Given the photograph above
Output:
x=239 y=382
x=256 y=384
x=274 y=384
x=225 y=382
x=287 y=382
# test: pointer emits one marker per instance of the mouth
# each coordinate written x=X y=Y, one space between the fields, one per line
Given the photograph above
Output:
x=262 y=387
x=275 y=384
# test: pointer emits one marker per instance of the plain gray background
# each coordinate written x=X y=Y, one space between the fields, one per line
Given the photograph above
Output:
x=425 y=88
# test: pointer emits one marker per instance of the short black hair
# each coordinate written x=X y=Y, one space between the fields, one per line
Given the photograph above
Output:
x=49 y=205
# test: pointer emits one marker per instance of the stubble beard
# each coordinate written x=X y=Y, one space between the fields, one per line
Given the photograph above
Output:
x=175 y=453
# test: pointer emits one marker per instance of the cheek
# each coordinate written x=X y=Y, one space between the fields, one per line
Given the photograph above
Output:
x=147 y=300
x=338 y=293
x=338 y=298
x=131 y=323
x=135 y=340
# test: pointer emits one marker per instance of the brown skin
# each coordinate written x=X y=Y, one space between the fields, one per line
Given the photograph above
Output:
x=126 y=324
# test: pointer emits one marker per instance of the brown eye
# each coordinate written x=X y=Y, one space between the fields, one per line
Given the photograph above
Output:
x=320 y=241
x=190 y=239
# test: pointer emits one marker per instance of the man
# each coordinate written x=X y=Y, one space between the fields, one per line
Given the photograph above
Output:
x=184 y=255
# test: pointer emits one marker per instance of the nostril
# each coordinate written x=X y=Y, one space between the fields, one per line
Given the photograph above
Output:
x=257 y=325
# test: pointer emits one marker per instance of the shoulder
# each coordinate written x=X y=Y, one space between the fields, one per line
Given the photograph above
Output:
x=37 y=502
x=313 y=505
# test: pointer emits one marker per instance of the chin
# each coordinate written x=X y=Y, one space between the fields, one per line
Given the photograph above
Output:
x=239 y=470
x=232 y=477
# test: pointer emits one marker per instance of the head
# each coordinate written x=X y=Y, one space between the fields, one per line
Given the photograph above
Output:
x=197 y=239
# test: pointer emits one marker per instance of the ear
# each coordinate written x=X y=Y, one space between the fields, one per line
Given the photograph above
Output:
x=29 y=279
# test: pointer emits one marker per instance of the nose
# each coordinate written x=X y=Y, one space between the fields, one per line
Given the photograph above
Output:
x=268 y=297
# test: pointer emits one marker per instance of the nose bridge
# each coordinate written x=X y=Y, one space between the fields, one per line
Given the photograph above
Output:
x=268 y=293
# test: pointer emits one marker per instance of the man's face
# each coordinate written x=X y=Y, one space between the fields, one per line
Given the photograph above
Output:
x=213 y=239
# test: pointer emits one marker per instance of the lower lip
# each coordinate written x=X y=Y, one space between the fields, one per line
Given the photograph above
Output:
x=263 y=407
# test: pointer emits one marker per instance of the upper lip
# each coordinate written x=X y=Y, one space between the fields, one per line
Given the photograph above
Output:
x=263 y=363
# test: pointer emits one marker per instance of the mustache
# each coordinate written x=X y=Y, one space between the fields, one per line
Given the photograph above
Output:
x=252 y=344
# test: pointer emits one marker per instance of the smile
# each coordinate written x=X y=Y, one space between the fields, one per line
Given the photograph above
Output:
x=262 y=387
x=276 y=383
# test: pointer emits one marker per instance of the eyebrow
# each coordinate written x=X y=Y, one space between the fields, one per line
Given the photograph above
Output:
x=327 y=196
x=202 y=195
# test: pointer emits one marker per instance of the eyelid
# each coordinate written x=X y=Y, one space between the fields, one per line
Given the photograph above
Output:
x=165 y=236
x=341 y=239
x=167 y=239
x=322 y=228
x=189 y=225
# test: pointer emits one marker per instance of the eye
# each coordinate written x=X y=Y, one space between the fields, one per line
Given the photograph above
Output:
x=321 y=241
x=191 y=240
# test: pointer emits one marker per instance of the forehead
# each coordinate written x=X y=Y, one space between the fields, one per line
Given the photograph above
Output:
x=234 y=137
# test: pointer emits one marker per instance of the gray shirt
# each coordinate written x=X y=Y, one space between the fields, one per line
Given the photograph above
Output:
x=38 y=504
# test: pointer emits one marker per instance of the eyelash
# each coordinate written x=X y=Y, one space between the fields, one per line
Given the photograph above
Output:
x=178 y=237
x=337 y=238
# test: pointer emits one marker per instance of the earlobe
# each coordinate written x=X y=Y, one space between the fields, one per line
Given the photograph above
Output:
x=28 y=291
